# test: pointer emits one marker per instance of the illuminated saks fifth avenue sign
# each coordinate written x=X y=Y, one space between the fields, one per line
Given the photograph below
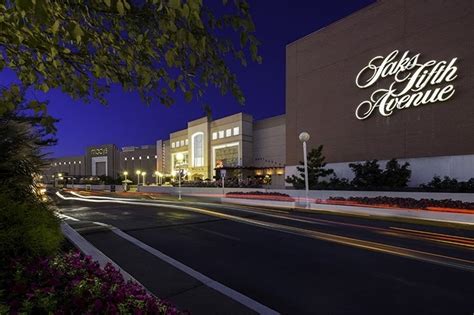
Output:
x=414 y=83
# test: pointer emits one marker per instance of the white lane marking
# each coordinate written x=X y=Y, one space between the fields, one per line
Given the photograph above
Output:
x=63 y=216
x=236 y=296
x=229 y=206
x=374 y=246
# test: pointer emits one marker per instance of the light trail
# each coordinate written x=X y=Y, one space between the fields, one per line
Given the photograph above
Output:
x=343 y=240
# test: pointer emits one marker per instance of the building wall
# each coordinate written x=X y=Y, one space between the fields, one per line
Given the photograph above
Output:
x=321 y=94
x=269 y=137
x=143 y=159
x=107 y=153
x=72 y=165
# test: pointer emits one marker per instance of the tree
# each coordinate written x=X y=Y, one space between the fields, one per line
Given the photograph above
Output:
x=316 y=169
x=367 y=174
x=396 y=175
x=155 y=47
x=23 y=133
x=370 y=175
x=28 y=227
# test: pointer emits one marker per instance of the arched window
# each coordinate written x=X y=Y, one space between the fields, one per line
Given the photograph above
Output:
x=198 y=149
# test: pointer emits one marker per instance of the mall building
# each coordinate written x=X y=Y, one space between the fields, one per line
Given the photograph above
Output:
x=393 y=80
x=236 y=145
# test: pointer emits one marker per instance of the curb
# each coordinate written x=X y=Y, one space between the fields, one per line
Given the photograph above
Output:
x=90 y=250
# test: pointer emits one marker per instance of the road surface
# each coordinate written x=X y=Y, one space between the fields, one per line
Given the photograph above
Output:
x=293 y=263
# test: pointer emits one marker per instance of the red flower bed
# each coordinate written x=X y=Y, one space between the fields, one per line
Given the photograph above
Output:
x=446 y=205
x=273 y=196
x=74 y=284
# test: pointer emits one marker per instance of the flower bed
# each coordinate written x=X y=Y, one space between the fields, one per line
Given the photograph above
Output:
x=74 y=284
x=274 y=196
x=446 y=205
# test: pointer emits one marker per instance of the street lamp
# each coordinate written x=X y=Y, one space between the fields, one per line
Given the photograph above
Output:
x=304 y=137
x=179 y=160
x=143 y=182
x=157 y=175
x=138 y=172
x=125 y=174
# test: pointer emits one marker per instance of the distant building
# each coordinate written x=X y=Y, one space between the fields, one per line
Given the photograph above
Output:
x=237 y=144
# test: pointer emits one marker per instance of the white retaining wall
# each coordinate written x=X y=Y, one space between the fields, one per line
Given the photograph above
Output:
x=423 y=170
x=313 y=194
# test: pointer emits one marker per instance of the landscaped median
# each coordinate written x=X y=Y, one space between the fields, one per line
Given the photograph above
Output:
x=450 y=211
x=256 y=198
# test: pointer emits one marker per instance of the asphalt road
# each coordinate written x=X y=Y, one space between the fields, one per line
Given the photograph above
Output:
x=299 y=263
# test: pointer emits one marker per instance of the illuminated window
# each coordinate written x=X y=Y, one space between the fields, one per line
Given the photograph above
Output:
x=59 y=163
x=74 y=162
x=172 y=144
x=186 y=141
x=182 y=143
x=228 y=132
x=214 y=136
x=221 y=134
x=236 y=131
x=177 y=144
x=198 y=149
x=69 y=162
x=79 y=162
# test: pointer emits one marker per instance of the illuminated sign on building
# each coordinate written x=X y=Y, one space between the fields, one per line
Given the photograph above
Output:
x=99 y=152
x=414 y=83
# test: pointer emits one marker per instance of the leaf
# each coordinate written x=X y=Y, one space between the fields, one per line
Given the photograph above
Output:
x=107 y=3
x=174 y=4
x=169 y=57
x=188 y=96
x=55 y=27
x=44 y=87
x=126 y=4
x=120 y=7
x=77 y=32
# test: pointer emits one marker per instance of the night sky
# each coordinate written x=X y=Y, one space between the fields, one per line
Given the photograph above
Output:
x=127 y=121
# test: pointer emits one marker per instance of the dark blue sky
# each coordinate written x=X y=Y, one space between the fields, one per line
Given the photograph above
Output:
x=127 y=121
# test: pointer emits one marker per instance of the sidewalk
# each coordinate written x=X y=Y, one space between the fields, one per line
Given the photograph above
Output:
x=158 y=276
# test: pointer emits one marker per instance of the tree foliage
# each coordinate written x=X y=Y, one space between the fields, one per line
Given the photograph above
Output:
x=316 y=170
x=370 y=175
x=155 y=47
x=25 y=128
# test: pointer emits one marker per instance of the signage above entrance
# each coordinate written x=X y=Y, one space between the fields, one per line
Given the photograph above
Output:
x=414 y=83
x=99 y=151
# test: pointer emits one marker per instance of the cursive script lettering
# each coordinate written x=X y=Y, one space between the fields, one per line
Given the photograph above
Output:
x=414 y=83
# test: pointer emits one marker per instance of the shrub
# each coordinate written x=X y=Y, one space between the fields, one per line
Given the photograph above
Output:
x=73 y=284
x=27 y=229
x=260 y=195
x=335 y=183
x=316 y=170
x=369 y=175
x=448 y=184
x=409 y=203
x=396 y=175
